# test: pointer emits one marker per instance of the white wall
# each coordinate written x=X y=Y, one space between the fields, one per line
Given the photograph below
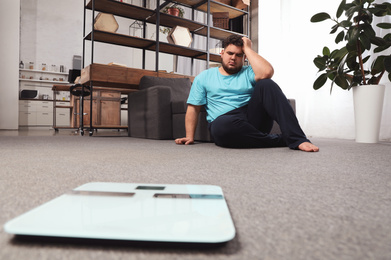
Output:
x=9 y=53
x=290 y=42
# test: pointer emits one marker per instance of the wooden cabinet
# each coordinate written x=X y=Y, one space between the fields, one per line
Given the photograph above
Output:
x=106 y=109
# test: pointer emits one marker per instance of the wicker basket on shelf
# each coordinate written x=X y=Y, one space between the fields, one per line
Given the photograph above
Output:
x=221 y=19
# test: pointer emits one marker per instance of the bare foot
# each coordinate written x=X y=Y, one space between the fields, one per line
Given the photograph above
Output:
x=308 y=147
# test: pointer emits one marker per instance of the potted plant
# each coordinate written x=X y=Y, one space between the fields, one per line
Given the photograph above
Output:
x=348 y=66
x=175 y=10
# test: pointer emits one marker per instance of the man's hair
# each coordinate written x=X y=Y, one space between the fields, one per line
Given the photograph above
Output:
x=233 y=39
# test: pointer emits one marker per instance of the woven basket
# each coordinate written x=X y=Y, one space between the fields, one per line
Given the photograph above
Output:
x=221 y=19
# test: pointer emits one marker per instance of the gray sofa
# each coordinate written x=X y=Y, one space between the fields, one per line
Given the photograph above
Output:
x=158 y=110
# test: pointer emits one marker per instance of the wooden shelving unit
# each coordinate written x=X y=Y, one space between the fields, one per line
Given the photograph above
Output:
x=140 y=13
x=144 y=14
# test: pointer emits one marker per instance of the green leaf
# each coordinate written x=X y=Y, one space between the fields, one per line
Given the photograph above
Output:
x=341 y=81
x=378 y=41
x=319 y=17
x=334 y=29
x=384 y=25
x=350 y=11
x=320 y=63
x=378 y=65
x=387 y=63
x=365 y=41
x=326 y=51
x=382 y=48
x=368 y=17
x=341 y=53
x=341 y=8
x=339 y=37
x=320 y=81
x=352 y=47
x=341 y=65
x=345 y=24
x=352 y=35
x=373 y=81
x=368 y=30
x=365 y=59
x=381 y=9
x=352 y=64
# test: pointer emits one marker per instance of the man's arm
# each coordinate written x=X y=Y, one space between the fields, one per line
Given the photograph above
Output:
x=261 y=67
x=191 y=121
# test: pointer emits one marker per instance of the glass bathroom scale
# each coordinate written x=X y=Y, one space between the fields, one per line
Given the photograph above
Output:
x=133 y=212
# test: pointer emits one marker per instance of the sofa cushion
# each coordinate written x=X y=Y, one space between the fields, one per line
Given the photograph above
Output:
x=178 y=107
x=180 y=86
x=149 y=113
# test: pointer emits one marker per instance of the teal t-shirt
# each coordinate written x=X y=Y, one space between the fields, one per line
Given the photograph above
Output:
x=221 y=94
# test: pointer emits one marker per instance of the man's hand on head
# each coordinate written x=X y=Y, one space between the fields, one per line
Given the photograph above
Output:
x=247 y=44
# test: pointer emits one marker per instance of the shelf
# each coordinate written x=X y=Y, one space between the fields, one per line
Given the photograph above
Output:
x=194 y=27
x=64 y=106
x=202 y=5
x=140 y=13
x=50 y=100
x=45 y=71
x=217 y=33
x=141 y=43
x=45 y=81
x=121 y=9
x=35 y=99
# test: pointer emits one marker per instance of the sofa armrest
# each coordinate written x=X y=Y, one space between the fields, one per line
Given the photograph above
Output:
x=149 y=113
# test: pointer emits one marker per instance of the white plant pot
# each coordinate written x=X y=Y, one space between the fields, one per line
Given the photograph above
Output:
x=368 y=108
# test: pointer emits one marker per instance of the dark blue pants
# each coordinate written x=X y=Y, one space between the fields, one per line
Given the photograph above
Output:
x=250 y=126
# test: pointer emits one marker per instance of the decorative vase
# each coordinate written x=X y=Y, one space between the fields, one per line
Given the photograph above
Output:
x=368 y=107
x=173 y=11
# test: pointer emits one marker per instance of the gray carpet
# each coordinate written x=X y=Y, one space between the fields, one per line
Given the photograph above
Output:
x=335 y=204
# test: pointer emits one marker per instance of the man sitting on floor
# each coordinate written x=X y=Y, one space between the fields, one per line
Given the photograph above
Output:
x=241 y=103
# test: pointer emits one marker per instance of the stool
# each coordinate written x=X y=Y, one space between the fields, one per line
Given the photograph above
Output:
x=81 y=91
